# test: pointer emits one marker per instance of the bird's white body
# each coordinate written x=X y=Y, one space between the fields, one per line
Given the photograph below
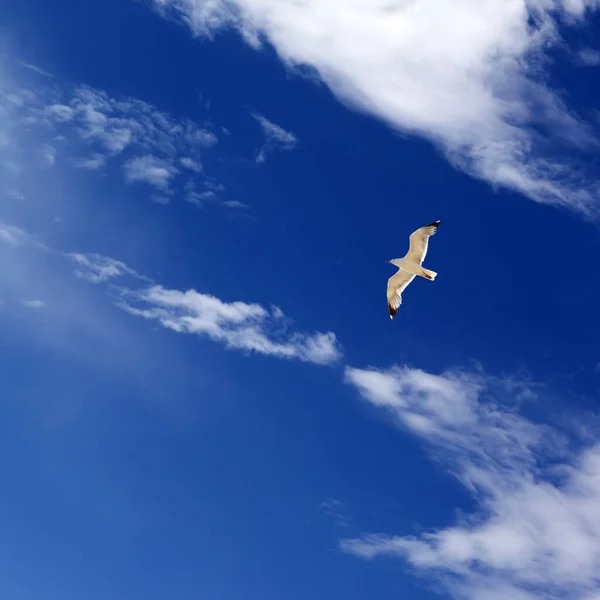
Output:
x=410 y=266
x=413 y=267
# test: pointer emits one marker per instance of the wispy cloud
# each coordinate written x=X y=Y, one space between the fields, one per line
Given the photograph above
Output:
x=236 y=204
x=276 y=138
x=589 y=57
x=48 y=154
x=237 y=325
x=465 y=75
x=151 y=170
x=337 y=511
x=16 y=194
x=199 y=199
x=214 y=185
x=160 y=199
x=98 y=269
x=92 y=163
x=34 y=304
x=191 y=164
x=89 y=130
x=35 y=69
x=536 y=534
x=14 y=236
x=59 y=112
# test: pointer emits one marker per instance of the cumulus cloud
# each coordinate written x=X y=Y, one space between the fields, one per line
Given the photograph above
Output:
x=536 y=532
x=237 y=325
x=465 y=75
x=276 y=138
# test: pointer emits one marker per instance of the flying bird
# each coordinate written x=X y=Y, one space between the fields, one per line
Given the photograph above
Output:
x=410 y=266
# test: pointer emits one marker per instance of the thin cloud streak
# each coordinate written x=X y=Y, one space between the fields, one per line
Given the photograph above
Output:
x=237 y=325
x=34 y=304
x=96 y=268
x=16 y=236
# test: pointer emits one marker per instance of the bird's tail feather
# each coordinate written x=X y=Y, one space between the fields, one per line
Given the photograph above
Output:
x=431 y=275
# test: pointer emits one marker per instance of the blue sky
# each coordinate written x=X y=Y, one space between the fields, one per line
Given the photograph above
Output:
x=203 y=395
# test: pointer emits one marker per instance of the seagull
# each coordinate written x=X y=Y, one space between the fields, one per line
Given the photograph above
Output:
x=410 y=266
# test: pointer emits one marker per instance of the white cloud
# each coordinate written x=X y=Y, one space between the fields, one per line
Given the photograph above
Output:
x=276 y=133
x=16 y=194
x=191 y=164
x=34 y=304
x=536 y=533
x=589 y=57
x=18 y=237
x=160 y=199
x=98 y=269
x=59 y=112
x=237 y=325
x=337 y=511
x=235 y=204
x=275 y=138
x=151 y=170
x=199 y=199
x=91 y=163
x=214 y=185
x=466 y=75
x=94 y=128
x=201 y=137
x=14 y=236
x=48 y=154
x=35 y=69
x=101 y=119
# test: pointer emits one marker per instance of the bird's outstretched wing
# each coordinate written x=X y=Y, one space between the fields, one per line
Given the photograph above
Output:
x=419 y=240
x=396 y=285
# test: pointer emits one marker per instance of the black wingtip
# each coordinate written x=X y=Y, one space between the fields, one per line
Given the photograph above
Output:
x=434 y=224
x=392 y=311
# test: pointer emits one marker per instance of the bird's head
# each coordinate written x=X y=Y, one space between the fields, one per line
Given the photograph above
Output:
x=394 y=261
